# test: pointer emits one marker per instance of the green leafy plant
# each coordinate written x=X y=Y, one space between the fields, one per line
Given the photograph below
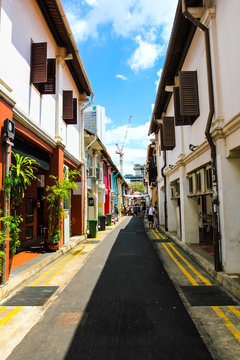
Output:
x=57 y=193
x=2 y=253
x=18 y=179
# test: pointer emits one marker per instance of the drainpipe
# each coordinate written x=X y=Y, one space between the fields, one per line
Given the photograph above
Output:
x=215 y=219
x=165 y=190
x=84 y=161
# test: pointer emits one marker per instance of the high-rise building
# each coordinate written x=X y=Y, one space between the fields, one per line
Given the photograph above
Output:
x=95 y=120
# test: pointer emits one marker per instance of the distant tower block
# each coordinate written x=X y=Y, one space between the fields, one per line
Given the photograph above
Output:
x=95 y=120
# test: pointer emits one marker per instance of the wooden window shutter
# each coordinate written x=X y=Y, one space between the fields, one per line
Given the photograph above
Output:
x=67 y=105
x=49 y=87
x=73 y=121
x=179 y=120
x=38 y=62
x=168 y=133
x=189 y=102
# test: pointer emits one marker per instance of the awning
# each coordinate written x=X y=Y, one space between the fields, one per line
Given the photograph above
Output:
x=27 y=149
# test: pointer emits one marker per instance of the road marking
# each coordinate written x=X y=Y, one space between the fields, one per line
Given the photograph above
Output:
x=228 y=323
x=163 y=237
x=10 y=315
x=235 y=311
x=206 y=282
x=52 y=268
x=58 y=271
x=217 y=310
x=2 y=308
x=190 y=278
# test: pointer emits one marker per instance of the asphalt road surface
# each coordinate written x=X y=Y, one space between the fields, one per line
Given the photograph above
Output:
x=121 y=305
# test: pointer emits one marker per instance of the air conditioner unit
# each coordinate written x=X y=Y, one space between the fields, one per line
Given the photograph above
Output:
x=99 y=174
x=91 y=172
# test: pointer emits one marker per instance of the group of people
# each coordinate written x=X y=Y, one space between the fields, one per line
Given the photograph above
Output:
x=139 y=210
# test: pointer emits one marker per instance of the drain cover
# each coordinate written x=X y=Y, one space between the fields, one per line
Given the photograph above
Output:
x=31 y=296
x=207 y=296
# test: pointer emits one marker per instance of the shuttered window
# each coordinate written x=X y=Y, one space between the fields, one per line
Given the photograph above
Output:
x=167 y=132
x=38 y=63
x=189 y=101
x=179 y=120
x=67 y=105
x=73 y=121
x=190 y=182
x=198 y=182
x=49 y=87
x=209 y=179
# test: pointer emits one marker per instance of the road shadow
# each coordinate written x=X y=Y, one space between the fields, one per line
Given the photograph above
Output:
x=134 y=311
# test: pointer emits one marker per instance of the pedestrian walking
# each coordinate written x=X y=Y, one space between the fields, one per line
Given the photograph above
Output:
x=116 y=212
x=151 y=213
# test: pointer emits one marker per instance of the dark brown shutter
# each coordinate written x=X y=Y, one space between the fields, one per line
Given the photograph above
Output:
x=67 y=105
x=179 y=120
x=38 y=63
x=49 y=87
x=73 y=121
x=167 y=132
x=189 y=103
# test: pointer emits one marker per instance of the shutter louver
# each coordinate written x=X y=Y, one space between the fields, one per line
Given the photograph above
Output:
x=67 y=105
x=179 y=120
x=38 y=63
x=73 y=121
x=189 y=103
x=49 y=87
x=168 y=133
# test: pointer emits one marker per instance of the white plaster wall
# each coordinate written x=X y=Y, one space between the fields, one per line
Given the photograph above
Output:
x=21 y=22
x=70 y=133
x=228 y=48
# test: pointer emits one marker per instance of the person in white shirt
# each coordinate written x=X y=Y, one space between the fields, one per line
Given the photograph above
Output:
x=151 y=213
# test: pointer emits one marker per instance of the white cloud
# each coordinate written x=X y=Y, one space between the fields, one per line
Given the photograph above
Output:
x=134 y=148
x=145 y=55
x=108 y=120
x=126 y=17
x=159 y=73
x=121 y=77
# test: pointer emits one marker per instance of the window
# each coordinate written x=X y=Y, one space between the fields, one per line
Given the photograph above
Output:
x=167 y=133
x=38 y=63
x=186 y=101
x=209 y=179
x=49 y=87
x=198 y=182
x=190 y=182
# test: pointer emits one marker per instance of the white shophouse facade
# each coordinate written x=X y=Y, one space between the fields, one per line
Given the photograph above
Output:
x=189 y=189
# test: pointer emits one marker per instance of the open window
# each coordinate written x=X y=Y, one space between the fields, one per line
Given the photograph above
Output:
x=167 y=133
x=186 y=99
x=69 y=108
x=43 y=70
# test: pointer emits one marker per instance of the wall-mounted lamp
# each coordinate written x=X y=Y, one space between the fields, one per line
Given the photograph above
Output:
x=170 y=166
x=192 y=147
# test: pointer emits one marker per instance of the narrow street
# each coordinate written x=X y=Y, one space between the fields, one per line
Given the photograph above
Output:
x=120 y=305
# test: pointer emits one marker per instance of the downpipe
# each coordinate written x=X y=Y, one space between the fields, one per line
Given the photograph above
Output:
x=215 y=218
x=165 y=190
x=84 y=164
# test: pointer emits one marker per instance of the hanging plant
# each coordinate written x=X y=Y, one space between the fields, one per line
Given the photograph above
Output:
x=57 y=193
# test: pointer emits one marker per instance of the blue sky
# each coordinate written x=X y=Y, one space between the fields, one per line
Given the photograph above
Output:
x=122 y=44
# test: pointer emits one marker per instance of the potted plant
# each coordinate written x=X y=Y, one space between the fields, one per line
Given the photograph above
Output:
x=17 y=180
x=56 y=194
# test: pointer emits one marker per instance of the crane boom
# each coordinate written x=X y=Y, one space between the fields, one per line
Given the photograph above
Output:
x=119 y=150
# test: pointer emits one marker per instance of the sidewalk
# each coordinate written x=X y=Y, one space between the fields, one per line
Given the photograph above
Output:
x=27 y=263
x=231 y=283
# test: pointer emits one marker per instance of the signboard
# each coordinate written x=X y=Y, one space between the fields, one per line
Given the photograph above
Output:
x=90 y=202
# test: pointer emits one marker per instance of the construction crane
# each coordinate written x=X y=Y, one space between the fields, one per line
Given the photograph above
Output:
x=119 y=150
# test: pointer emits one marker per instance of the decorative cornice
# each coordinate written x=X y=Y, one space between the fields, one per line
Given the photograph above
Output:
x=5 y=93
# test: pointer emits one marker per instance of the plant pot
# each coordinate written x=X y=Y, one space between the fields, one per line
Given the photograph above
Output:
x=53 y=246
